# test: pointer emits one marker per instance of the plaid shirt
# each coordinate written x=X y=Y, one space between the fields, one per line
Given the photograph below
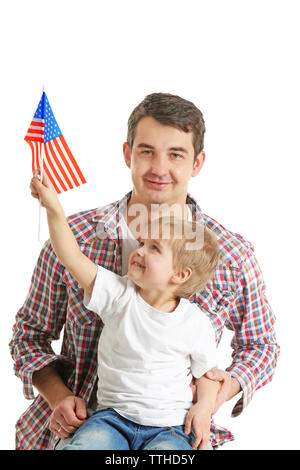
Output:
x=234 y=299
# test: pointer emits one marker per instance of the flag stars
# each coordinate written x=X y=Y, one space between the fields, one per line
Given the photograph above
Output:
x=44 y=111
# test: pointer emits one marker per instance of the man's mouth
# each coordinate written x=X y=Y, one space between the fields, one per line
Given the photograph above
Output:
x=157 y=184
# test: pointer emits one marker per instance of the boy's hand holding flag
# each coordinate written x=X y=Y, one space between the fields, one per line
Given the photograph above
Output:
x=44 y=191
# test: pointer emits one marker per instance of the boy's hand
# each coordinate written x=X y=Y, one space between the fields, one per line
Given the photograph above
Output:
x=198 y=419
x=44 y=191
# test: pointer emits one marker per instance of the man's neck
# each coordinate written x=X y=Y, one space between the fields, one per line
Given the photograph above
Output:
x=140 y=211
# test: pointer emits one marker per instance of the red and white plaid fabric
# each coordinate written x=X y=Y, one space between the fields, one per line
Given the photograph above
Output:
x=234 y=299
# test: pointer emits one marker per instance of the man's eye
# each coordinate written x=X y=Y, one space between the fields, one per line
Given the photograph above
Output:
x=177 y=156
x=154 y=247
x=147 y=152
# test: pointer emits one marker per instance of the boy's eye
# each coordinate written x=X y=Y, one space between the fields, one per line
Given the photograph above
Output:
x=141 y=244
x=154 y=247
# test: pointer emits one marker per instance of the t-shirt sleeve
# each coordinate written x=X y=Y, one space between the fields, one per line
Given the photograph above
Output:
x=108 y=291
x=204 y=356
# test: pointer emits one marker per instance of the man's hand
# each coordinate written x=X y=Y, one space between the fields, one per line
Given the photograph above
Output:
x=229 y=386
x=198 y=419
x=68 y=416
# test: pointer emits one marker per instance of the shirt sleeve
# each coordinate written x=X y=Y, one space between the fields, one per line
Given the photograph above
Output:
x=40 y=320
x=255 y=350
x=204 y=356
x=109 y=292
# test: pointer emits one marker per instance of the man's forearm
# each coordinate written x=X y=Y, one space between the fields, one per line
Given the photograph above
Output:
x=50 y=385
x=235 y=388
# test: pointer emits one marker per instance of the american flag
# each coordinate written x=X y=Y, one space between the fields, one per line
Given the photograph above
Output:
x=44 y=135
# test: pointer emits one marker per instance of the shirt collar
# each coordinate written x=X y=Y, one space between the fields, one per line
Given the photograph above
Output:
x=197 y=213
x=108 y=222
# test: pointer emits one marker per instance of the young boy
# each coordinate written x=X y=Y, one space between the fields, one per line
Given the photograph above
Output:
x=153 y=340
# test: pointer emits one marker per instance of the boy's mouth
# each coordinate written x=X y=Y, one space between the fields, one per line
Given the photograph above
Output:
x=139 y=265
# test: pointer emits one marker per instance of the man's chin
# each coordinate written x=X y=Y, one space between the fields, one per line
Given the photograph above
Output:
x=157 y=196
x=148 y=196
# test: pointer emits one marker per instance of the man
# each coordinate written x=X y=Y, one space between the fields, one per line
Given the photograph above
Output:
x=164 y=149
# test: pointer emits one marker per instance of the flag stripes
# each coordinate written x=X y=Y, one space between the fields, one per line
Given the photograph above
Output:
x=51 y=165
x=50 y=150
x=35 y=132
x=60 y=168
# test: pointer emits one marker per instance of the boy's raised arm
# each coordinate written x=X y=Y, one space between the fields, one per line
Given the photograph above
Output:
x=62 y=238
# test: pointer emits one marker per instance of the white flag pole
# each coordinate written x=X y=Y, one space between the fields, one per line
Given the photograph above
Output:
x=40 y=207
x=42 y=169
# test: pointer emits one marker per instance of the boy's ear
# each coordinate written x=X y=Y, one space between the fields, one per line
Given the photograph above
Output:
x=181 y=276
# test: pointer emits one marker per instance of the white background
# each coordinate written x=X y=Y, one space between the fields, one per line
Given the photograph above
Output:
x=238 y=61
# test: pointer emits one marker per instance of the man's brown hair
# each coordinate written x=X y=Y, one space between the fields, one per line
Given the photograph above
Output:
x=171 y=110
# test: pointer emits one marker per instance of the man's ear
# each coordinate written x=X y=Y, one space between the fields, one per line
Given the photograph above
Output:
x=198 y=163
x=127 y=154
x=181 y=276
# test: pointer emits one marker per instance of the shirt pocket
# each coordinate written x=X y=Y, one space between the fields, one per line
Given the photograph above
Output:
x=218 y=305
x=77 y=312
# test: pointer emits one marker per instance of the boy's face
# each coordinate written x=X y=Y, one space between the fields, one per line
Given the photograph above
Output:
x=151 y=264
x=161 y=162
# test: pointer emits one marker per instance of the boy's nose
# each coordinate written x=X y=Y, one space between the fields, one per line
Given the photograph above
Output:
x=140 y=250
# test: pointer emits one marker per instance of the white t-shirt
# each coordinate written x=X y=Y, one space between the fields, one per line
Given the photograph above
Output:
x=129 y=244
x=146 y=358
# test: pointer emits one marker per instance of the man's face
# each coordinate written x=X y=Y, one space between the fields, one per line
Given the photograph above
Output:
x=161 y=162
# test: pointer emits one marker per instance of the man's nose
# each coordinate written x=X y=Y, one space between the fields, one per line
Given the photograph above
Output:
x=160 y=165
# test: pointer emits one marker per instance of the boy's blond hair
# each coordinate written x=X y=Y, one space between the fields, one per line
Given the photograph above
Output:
x=194 y=246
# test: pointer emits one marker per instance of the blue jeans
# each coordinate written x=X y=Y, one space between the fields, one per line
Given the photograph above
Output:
x=107 y=430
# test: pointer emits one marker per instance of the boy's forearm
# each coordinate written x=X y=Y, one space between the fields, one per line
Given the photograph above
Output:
x=207 y=391
x=62 y=238
x=67 y=250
